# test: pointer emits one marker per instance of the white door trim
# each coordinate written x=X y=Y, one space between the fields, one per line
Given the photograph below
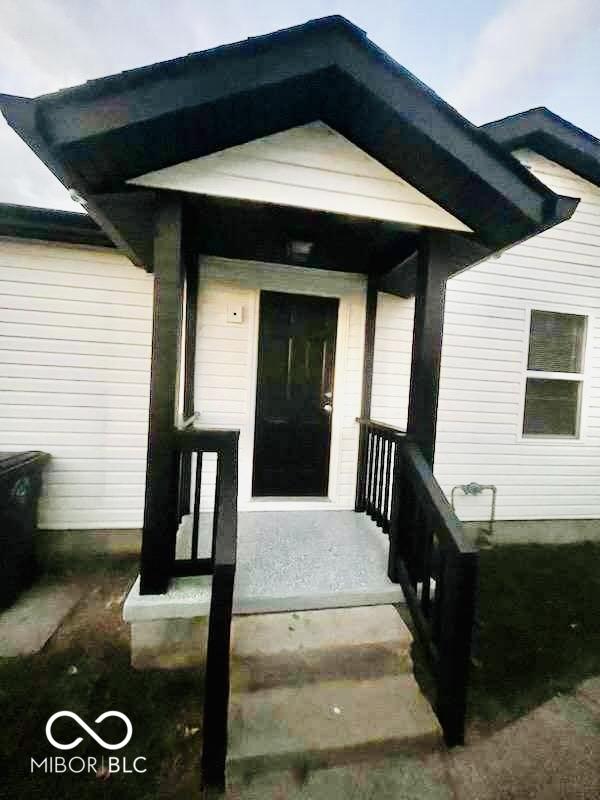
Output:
x=254 y=277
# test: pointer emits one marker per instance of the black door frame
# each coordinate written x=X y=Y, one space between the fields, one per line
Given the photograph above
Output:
x=254 y=389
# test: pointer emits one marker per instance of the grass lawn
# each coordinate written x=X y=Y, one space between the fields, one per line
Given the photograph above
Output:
x=540 y=635
x=539 y=632
x=85 y=668
x=540 y=627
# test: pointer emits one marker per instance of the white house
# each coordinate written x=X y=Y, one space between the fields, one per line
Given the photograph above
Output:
x=290 y=194
x=75 y=339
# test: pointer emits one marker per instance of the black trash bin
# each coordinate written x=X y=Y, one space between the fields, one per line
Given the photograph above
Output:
x=20 y=486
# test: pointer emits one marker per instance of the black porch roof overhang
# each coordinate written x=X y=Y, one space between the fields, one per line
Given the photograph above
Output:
x=554 y=137
x=97 y=136
x=50 y=225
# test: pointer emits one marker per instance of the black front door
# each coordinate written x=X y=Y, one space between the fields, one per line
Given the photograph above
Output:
x=294 y=397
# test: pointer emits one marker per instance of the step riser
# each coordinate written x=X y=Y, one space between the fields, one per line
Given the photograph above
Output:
x=347 y=663
x=242 y=771
x=285 y=644
x=180 y=644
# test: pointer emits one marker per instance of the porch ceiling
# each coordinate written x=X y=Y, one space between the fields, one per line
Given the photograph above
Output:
x=97 y=136
x=264 y=231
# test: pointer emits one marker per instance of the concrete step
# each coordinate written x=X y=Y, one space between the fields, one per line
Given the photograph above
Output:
x=327 y=723
x=272 y=649
x=291 y=649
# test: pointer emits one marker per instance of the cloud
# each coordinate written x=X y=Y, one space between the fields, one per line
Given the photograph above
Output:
x=46 y=45
x=525 y=40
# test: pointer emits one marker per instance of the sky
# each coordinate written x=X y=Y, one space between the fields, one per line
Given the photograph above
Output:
x=487 y=58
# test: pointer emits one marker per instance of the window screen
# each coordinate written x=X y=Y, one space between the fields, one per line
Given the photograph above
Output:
x=556 y=342
x=551 y=407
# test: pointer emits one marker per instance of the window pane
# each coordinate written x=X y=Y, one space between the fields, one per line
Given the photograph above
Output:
x=556 y=342
x=551 y=407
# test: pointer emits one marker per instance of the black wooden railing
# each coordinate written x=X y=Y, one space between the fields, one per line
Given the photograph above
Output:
x=375 y=472
x=221 y=564
x=429 y=557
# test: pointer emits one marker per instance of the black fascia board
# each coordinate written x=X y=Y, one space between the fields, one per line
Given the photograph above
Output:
x=552 y=136
x=101 y=134
x=29 y=222
x=22 y=115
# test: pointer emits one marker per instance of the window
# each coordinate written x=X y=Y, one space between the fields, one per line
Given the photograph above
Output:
x=554 y=374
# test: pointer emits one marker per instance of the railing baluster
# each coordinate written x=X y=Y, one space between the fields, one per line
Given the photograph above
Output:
x=456 y=630
x=196 y=515
x=406 y=531
x=382 y=463
x=372 y=472
x=376 y=476
x=361 y=477
x=185 y=485
x=371 y=447
x=395 y=514
x=388 y=480
x=413 y=539
x=426 y=572
x=438 y=600
x=217 y=507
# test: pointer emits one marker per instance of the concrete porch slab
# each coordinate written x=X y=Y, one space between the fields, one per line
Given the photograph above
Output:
x=287 y=561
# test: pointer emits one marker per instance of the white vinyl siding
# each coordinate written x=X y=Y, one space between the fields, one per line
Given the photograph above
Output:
x=392 y=357
x=311 y=166
x=226 y=359
x=75 y=341
x=484 y=360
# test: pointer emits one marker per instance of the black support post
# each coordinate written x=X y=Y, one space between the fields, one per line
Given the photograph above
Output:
x=367 y=388
x=160 y=511
x=432 y=273
x=457 y=617
x=189 y=371
x=191 y=310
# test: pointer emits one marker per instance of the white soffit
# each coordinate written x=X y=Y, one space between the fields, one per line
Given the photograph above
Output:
x=311 y=166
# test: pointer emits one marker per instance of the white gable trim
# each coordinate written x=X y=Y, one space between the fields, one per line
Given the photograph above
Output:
x=311 y=166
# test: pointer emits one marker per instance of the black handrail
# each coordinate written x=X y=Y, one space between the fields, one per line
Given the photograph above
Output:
x=373 y=423
x=432 y=561
x=221 y=564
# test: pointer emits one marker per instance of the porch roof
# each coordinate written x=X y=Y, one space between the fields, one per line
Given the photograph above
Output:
x=552 y=136
x=50 y=225
x=97 y=136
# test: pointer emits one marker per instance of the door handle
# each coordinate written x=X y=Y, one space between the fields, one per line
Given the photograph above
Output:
x=328 y=408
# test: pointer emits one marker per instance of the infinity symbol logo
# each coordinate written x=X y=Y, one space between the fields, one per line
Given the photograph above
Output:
x=88 y=730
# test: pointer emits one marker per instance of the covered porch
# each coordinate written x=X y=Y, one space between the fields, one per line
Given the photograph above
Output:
x=209 y=157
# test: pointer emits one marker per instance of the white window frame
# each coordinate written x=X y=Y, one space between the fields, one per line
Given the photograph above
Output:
x=582 y=377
